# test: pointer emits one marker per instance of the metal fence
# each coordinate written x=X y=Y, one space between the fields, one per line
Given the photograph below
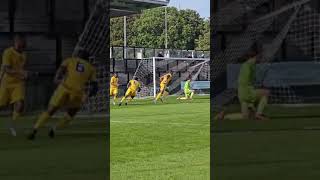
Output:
x=120 y=53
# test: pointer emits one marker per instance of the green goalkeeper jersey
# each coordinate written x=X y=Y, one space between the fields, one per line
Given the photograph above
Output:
x=246 y=81
x=187 y=85
x=247 y=74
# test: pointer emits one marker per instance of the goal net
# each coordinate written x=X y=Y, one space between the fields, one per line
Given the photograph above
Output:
x=150 y=70
x=290 y=41
x=95 y=39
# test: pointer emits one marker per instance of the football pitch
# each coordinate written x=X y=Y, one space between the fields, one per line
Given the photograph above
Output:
x=165 y=141
x=78 y=152
x=284 y=148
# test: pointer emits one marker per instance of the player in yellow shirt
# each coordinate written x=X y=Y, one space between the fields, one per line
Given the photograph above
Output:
x=114 y=87
x=164 y=81
x=133 y=86
x=70 y=94
x=13 y=77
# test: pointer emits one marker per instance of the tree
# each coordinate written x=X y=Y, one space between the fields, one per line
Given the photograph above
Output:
x=148 y=29
x=116 y=32
x=116 y=28
x=183 y=28
x=203 y=42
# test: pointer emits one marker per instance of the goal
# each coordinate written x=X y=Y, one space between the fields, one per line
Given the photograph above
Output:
x=151 y=69
x=290 y=39
x=95 y=39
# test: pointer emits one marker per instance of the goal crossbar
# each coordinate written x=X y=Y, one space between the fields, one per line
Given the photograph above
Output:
x=281 y=10
x=179 y=59
x=150 y=66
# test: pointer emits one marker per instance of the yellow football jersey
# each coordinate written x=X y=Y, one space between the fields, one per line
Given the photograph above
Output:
x=78 y=73
x=134 y=85
x=166 y=78
x=16 y=61
x=114 y=82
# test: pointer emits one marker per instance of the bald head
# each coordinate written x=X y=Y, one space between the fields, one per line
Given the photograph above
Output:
x=19 y=42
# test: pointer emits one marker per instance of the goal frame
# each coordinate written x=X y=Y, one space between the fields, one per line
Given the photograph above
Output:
x=154 y=60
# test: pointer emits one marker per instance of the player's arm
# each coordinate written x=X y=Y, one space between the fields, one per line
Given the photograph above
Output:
x=190 y=86
x=111 y=81
x=114 y=82
x=128 y=85
x=60 y=73
x=117 y=84
x=7 y=67
x=169 y=79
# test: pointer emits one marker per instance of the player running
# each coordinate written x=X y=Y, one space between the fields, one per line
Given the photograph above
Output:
x=164 y=81
x=13 y=77
x=114 y=87
x=75 y=72
x=247 y=94
x=188 y=91
x=133 y=86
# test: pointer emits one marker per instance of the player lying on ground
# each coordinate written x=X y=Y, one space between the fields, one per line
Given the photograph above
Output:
x=188 y=92
x=247 y=94
x=13 y=77
x=114 y=87
x=133 y=86
x=164 y=81
x=76 y=72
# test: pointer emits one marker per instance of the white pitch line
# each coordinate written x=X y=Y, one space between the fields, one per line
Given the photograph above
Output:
x=131 y=122
x=183 y=124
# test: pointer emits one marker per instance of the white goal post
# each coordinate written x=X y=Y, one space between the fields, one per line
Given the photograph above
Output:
x=151 y=69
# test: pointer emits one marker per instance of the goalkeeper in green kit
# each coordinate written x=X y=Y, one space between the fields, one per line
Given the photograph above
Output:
x=188 y=92
x=253 y=101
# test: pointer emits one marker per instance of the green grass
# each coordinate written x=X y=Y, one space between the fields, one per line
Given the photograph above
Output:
x=166 y=141
x=78 y=152
x=284 y=148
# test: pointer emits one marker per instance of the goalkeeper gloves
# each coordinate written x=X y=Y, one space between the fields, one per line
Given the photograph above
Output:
x=93 y=89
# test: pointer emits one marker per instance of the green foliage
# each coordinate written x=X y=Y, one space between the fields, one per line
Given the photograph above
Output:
x=203 y=42
x=186 y=29
x=117 y=35
x=116 y=32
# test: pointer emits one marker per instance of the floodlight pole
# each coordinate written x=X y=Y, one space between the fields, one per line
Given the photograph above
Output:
x=125 y=37
x=154 y=77
x=166 y=28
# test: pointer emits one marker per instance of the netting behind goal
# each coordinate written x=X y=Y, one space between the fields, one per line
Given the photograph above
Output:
x=151 y=69
x=290 y=41
x=95 y=39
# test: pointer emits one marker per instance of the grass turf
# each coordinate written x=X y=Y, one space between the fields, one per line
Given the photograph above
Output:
x=164 y=141
x=78 y=152
x=283 y=148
